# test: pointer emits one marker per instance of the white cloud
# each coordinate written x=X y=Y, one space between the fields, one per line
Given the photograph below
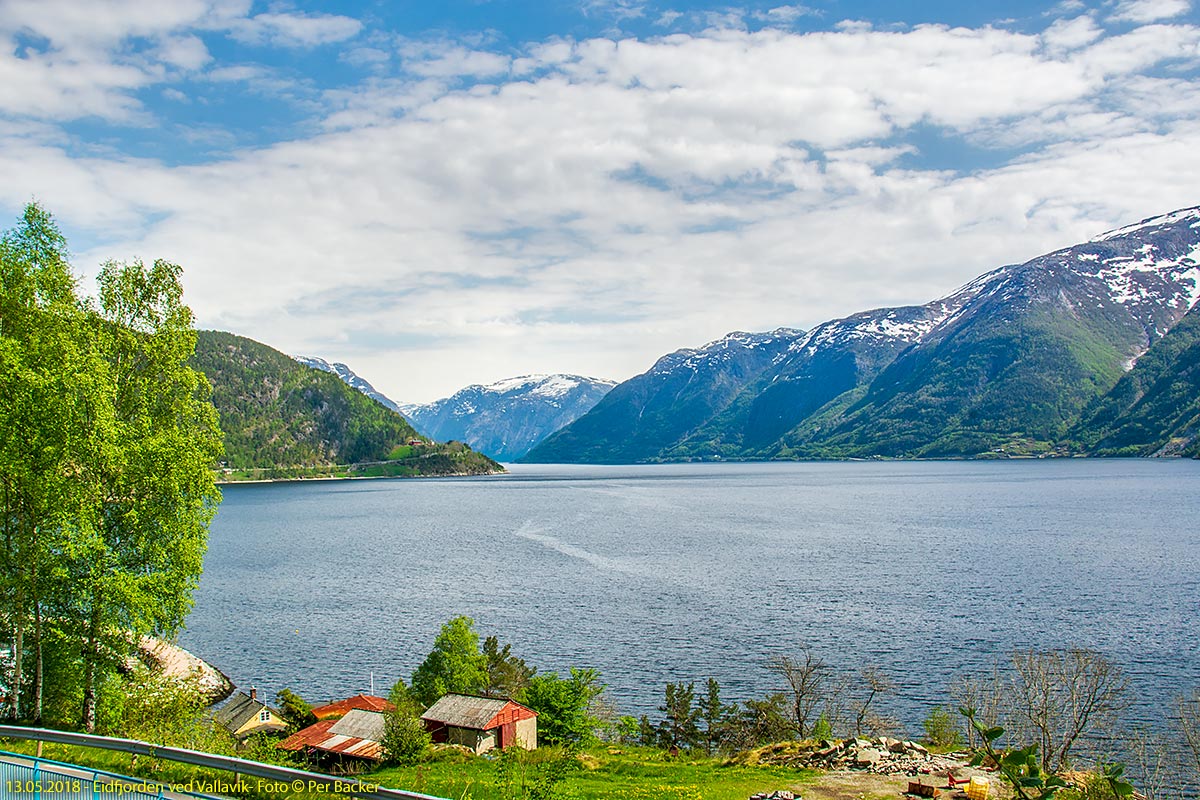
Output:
x=295 y=29
x=445 y=60
x=185 y=52
x=786 y=14
x=1071 y=34
x=620 y=198
x=65 y=60
x=1142 y=11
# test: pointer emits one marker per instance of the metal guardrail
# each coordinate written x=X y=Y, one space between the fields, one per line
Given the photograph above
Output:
x=270 y=777
x=23 y=776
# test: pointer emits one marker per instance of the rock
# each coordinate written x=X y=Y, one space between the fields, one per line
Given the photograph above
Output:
x=862 y=743
x=865 y=756
x=920 y=748
x=897 y=746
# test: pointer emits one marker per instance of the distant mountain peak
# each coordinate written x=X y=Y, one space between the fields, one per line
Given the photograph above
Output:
x=546 y=385
x=351 y=379
x=1159 y=221
x=506 y=418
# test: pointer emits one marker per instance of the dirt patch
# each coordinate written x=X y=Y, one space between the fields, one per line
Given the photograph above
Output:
x=853 y=785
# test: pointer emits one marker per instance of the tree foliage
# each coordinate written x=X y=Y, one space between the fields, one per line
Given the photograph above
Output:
x=507 y=675
x=106 y=459
x=680 y=726
x=564 y=705
x=454 y=665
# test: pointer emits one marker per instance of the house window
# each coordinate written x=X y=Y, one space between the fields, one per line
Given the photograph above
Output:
x=264 y=716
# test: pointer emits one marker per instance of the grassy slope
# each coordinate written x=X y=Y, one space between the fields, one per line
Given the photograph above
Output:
x=278 y=414
x=1014 y=379
x=604 y=774
x=1156 y=405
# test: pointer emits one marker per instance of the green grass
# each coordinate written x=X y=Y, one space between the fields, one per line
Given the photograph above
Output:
x=600 y=773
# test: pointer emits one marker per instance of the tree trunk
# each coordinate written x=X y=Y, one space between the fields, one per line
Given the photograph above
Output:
x=38 y=690
x=14 y=694
x=91 y=654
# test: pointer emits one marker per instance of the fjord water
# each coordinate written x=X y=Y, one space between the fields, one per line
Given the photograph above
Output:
x=681 y=572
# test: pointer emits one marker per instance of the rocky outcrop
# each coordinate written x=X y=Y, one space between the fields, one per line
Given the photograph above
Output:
x=882 y=756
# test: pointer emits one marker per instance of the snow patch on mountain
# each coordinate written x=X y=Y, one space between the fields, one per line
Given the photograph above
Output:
x=506 y=418
x=721 y=350
x=1153 y=222
x=351 y=379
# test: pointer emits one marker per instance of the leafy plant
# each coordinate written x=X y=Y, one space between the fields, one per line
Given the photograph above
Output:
x=1021 y=767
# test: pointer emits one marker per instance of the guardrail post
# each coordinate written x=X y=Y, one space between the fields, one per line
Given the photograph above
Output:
x=95 y=786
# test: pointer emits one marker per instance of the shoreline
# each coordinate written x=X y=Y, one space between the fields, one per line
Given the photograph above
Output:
x=314 y=479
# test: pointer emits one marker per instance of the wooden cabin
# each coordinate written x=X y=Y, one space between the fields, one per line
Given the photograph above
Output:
x=481 y=723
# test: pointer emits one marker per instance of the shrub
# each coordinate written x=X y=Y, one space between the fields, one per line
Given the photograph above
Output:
x=941 y=729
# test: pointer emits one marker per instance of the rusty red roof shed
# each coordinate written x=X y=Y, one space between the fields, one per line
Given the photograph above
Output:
x=362 y=702
x=358 y=734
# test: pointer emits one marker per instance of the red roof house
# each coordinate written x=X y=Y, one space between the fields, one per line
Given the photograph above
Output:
x=481 y=723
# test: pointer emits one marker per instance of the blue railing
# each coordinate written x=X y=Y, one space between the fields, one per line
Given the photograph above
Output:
x=31 y=778
x=244 y=775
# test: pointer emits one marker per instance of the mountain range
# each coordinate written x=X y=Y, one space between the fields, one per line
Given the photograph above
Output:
x=1092 y=349
x=507 y=418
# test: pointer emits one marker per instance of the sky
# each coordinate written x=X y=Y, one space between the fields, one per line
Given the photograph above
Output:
x=440 y=194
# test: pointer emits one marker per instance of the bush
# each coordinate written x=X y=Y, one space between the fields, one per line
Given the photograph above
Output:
x=405 y=740
x=941 y=729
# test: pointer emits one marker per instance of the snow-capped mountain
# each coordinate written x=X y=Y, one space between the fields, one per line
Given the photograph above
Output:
x=648 y=413
x=505 y=419
x=351 y=379
x=1006 y=364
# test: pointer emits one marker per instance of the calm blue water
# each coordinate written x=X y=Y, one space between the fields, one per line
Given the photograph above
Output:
x=679 y=572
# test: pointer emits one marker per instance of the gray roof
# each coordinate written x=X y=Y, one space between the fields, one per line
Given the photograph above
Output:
x=240 y=710
x=466 y=711
x=360 y=724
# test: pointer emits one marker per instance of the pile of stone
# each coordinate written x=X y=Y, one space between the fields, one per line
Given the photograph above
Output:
x=882 y=756
x=782 y=794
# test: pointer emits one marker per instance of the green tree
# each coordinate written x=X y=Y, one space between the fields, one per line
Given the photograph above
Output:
x=405 y=737
x=679 y=727
x=51 y=382
x=294 y=709
x=715 y=716
x=507 y=675
x=454 y=665
x=763 y=722
x=107 y=443
x=564 y=705
x=137 y=555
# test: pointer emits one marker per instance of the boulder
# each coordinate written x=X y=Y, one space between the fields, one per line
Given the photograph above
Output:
x=865 y=756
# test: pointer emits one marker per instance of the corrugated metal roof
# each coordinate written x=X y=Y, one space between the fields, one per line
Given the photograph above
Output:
x=467 y=711
x=308 y=736
x=328 y=737
x=361 y=725
x=340 y=708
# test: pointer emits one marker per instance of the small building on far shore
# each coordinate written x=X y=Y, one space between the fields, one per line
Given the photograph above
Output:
x=481 y=723
x=245 y=714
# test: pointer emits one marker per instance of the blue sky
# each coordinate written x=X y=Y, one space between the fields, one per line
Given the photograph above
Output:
x=447 y=193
